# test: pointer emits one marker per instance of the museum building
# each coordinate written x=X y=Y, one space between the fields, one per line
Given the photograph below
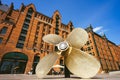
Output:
x=22 y=47
x=107 y=52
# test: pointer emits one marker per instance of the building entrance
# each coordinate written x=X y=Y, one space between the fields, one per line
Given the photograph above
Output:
x=36 y=60
x=13 y=63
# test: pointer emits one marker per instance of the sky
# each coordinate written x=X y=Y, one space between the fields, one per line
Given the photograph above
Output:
x=103 y=15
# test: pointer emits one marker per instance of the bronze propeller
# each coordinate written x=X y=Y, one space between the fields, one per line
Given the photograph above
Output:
x=78 y=62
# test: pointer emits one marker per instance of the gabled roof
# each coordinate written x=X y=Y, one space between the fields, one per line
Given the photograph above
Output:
x=33 y=6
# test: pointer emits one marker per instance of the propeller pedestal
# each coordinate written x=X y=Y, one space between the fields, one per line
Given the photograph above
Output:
x=66 y=72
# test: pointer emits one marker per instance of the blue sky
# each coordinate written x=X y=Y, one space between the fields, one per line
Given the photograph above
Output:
x=104 y=15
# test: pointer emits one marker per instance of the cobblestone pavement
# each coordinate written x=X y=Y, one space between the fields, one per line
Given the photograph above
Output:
x=56 y=77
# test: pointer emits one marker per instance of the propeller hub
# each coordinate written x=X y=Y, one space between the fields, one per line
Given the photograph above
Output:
x=62 y=46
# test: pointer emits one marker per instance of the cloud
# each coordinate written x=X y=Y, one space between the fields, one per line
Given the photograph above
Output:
x=102 y=32
x=97 y=29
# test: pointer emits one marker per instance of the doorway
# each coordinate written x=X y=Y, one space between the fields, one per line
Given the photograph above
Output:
x=13 y=63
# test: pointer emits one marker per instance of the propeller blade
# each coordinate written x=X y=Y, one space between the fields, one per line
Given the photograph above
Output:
x=77 y=38
x=52 y=38
x=45 y=64
x=81 y=63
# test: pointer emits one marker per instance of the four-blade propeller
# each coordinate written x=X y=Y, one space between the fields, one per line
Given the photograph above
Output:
x=78 y=62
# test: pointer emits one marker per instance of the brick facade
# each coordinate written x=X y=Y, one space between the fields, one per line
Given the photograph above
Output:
x=104 y=50
x=25 y=29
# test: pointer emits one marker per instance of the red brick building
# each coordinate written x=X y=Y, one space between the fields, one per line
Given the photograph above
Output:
x=21 y=44
x=21 y=32
x=104 y=50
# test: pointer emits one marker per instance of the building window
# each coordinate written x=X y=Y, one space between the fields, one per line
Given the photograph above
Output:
x=48 y=47
x=57 y=25
x=3 y=30
x=25 y=27
x=27 y=20
x=38 y=25
x=1 y=39
x=30 y=11
x=90 y=53
x=28 y=16
x=36 y=34
x=19 y=45
x=87 y=43
x=90 y=41
x=41 y=46
x=35 y=44
x=56 y=31
x=89 y=49
x=22 y=38
x=41 y=51
x=24 y=31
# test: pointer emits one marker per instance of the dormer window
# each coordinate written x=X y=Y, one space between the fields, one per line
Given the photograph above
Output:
x=3 y=30
x=1 y=39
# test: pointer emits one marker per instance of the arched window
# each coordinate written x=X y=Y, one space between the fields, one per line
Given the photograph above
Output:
x=3 y=30
x=22 y=37
x=35 y=62
x=13 y=63
x=30 y=10
x=1 y=39
x=57 y=24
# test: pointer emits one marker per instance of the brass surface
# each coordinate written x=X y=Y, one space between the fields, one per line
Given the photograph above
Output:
x=82 y=64
x=77 y=38
x=78 y=62
x=46 y=64
x=52 y=39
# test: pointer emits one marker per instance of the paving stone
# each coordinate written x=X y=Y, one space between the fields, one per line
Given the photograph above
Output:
x=56 y=77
